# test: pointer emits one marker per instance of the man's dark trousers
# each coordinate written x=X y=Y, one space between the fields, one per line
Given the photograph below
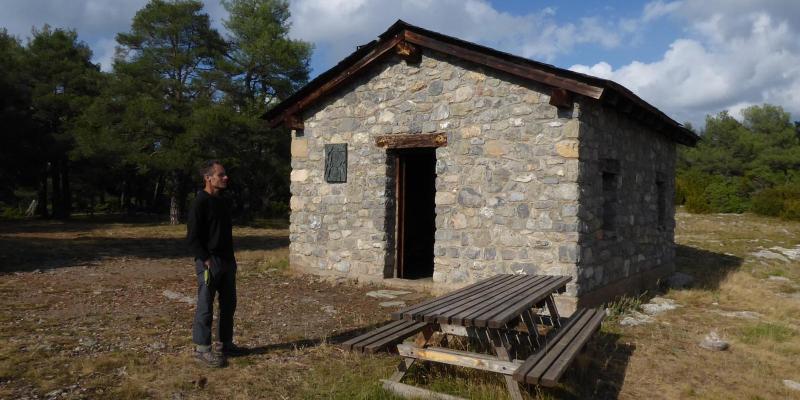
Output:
x=222 y=281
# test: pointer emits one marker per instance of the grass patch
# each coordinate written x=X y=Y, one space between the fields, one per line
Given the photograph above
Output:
x=757 y=333
x=624 y=305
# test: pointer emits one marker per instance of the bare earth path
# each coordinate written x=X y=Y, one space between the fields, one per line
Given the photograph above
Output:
x=95 y=309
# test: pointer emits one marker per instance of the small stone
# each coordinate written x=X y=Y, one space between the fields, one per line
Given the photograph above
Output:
x=178 y=297
x=567 y=148
x=468 y=197
x=791 y=384
x=440 y=112
x=782 y=279
x=740 y=314
x=328 y=309
x=713 y=342
x=387 y=304
x=636 y=318
x=157 y=346
x=435 y=88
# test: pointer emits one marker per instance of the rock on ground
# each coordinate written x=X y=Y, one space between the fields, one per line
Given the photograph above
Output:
x=740 y=314
x=712 y=341
x=636 y=318
x=386 y=294
x=657 y=305
x=770 y=255
x=791 y=384
x=178 y=296
x=393 y=304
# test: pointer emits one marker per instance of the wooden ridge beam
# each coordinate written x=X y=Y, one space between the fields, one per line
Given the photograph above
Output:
x=505 y=65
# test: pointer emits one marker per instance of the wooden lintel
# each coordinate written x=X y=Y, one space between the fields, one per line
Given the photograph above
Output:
x=561 y=98
x=527 y=72
x=293 y=122
x=405 y=141
x=408 y=52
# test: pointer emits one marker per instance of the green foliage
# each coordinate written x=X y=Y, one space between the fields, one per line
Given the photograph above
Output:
x=747 y=166
x=756 y=333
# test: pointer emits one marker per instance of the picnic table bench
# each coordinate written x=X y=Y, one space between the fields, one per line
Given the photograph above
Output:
x=514 y=316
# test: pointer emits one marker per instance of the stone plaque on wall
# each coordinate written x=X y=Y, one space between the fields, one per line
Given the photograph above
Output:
x=336 y=163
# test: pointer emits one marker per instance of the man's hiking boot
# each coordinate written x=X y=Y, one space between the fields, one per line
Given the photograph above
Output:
x=210 y=358
x=230 y=349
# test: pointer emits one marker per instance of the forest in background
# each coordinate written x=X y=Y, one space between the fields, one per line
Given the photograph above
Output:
x=80 y=140
x=77 y=139
x=748 y=165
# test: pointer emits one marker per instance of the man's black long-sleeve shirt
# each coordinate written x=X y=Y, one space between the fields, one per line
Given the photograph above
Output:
x=209 y=228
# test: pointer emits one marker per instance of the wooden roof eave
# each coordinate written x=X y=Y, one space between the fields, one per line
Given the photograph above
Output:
x=407 y=36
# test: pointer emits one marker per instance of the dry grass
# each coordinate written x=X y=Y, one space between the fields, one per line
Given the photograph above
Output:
x=92 y=323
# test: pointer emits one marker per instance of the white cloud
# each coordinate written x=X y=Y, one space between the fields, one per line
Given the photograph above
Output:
x=339 y=25
x=733 y=58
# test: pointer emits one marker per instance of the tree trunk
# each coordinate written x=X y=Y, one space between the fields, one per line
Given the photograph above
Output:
x=66 y=195
x=41 y=208
x=174 y=211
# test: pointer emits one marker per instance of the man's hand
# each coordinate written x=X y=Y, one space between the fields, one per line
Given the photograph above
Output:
x=207 y=263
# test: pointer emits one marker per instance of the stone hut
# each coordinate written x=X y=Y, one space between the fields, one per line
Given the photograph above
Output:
x=425 y=157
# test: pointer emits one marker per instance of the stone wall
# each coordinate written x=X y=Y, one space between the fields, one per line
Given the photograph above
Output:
x=638 y=247
x=507 y=193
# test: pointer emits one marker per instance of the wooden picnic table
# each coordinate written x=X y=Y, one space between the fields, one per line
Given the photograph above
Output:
x=513 y=318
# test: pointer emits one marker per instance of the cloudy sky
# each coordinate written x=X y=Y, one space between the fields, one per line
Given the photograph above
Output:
x=689 y=58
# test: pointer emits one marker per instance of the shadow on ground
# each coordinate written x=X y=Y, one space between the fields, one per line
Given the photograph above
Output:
x=26 y=254
x=708 y=268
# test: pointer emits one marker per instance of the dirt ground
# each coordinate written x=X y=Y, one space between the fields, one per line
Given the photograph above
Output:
x=97 y=308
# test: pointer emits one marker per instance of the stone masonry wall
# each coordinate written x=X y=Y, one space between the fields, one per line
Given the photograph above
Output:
x=506 y=185
x=637 y=243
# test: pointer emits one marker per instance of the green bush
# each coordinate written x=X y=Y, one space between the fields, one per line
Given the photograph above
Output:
x=791 y=209
x=767 y=202
x=725 y=195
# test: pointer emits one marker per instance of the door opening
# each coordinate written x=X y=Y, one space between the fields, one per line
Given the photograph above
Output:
x=415 y=178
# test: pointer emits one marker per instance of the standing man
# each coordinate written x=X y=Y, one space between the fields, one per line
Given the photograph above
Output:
x=211 y=241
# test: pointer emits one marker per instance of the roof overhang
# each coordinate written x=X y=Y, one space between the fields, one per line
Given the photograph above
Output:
x=406 y=40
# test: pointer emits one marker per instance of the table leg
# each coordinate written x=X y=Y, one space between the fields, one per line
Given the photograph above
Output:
x=420 y=341
x=551 y=307
x=503 y=354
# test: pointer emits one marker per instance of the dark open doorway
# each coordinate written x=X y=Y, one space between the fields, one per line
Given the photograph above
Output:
x=415 y=189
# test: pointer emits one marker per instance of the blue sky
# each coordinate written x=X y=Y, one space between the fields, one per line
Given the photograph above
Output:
x=689 y=58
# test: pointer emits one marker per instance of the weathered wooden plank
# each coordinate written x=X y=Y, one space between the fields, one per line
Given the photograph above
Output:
x=553 y=374
x=450 y=313
x=394 y=337
x=408 y=141
x=408 y=52
x=500 y=320
x=409 y=312
x=467 y=359
x=348 y=345
x=561 y=98
x=499 y=305
x=514 y=68
x=413 y=392
x=522 y=372
x=554 y=351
